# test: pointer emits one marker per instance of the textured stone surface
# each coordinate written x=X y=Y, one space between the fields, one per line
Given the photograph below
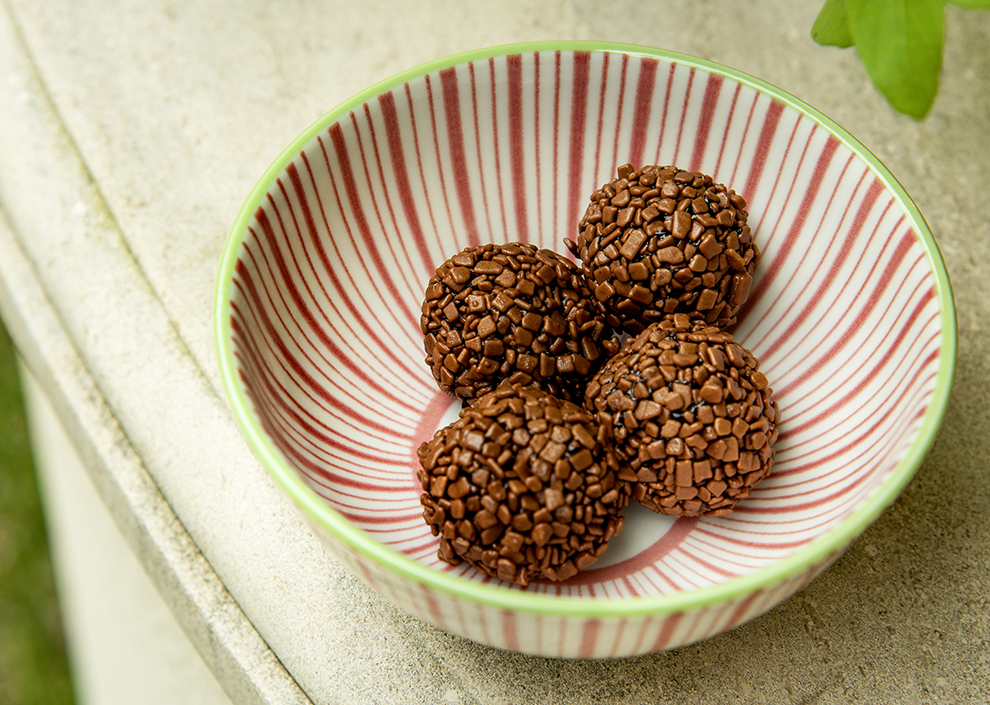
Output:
x=132 y=131
x=126 y=646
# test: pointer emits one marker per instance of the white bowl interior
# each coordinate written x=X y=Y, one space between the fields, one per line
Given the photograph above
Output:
x=844 y=313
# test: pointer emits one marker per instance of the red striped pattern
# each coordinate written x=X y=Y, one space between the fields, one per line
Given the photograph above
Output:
x=331 y=271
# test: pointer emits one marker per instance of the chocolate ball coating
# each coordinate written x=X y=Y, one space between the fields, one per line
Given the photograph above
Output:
x=521 y=487
x=512 y=312
x=660 y=240
x=691 y=414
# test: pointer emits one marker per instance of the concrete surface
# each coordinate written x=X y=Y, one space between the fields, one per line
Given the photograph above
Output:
x=126 y=646
x=130 y=133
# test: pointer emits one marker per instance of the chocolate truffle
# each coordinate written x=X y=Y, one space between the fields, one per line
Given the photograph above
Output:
x=513 y=312
x=521 y=487
x=691 y=414
x=661 y=240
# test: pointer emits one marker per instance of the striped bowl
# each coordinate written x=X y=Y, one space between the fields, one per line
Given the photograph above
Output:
x=323 y=276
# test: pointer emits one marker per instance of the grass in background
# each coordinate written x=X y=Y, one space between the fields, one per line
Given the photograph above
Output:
x=33 y=666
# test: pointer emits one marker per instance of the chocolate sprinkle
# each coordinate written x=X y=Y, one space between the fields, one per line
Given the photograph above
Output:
x=690 y=414
x=512 y=312
x=661 y=240
x=522 y=487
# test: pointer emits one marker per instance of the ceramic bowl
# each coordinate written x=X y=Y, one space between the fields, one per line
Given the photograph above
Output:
x=322 y=281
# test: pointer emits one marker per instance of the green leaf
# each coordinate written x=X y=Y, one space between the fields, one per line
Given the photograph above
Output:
x=831 y=28
x=900 y=42
x=972 y=4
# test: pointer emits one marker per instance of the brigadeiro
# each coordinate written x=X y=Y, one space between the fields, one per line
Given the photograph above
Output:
x=512 y=312
x=691 y=414
x=521 y=487
x=661 y=240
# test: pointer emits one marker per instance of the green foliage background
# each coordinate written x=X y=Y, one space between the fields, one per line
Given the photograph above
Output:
x=33 y=665
x=899 y=41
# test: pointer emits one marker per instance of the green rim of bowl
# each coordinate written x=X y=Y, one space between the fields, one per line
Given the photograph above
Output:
x=818 y=552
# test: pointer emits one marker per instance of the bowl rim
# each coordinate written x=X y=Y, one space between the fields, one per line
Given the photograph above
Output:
x=816 y=553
